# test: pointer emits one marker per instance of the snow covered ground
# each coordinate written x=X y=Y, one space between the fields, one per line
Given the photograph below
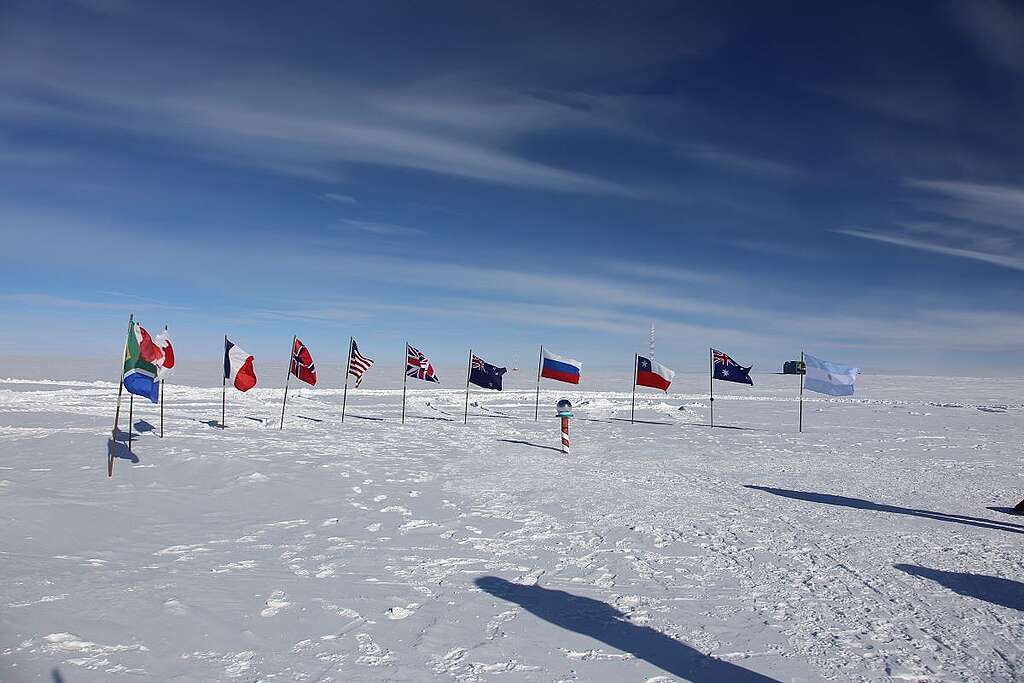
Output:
x=860 y=550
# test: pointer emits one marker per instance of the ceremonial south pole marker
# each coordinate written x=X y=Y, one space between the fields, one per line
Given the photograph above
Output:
x=564 y=408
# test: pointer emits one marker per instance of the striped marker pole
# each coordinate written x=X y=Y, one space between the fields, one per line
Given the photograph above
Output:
x=565 y=435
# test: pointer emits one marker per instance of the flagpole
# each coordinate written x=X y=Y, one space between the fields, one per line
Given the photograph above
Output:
x=802 y=369
x=287 y=379
x=469 y=370
x=162 y=397
x=632 y=405
x=224 y=386
x=711 y=384
x=131 y=408
x=405 y=378
x=348 y=366
x=120 y=390
x=536 y=407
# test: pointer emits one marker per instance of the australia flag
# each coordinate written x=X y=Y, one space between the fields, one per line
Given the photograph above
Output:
x=727 y=369
x=484 y=374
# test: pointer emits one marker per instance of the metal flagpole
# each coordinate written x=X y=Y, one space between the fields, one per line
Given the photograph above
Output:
x=536 y=407
x=162 y=397
x=632 y=405
x=405 y=378
x=287 y=379
x=711 y=384
x=469 y=371
x=802 y=369
x=348 y=366
x=131 y=408
x=224 y=385
x=117 y=411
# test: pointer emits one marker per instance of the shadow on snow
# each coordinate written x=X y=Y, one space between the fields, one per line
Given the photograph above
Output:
x=992 y=589
x=602 y=622
x=535 y=445
x=860 y=504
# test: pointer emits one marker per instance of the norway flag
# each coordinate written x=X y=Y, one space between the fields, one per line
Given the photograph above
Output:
x=302 y=363
x=560 y=369
x=238 y=366
x=654 y=375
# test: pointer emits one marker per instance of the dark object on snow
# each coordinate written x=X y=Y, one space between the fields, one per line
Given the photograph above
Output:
x=994 y=589
x=603 y=622
x=792 y=367
x=1019 y=508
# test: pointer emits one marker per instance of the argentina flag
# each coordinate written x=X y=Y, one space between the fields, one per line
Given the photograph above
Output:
x=830 y=378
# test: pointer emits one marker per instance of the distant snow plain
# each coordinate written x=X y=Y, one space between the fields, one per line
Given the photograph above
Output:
x=863 y=549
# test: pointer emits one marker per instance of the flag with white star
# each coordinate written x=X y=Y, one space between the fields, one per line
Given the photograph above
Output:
x=728 y=370
x=652 y=374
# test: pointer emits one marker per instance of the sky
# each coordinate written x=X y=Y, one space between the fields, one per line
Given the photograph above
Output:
x=763 y=178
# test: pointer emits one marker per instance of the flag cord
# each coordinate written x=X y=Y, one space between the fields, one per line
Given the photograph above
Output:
x=117 y=411
x=803 y=371
x=632 y=405
x=536 y=407
x=405 y=378
x=711 y=385
x=469 y=369
x=348 y=366
x=131 y=408
x=287 y=378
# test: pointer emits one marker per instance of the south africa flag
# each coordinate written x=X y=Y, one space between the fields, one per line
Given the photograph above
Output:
x=141 y=356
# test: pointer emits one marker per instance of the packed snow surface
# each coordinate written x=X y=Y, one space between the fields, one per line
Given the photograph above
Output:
x=871 y=547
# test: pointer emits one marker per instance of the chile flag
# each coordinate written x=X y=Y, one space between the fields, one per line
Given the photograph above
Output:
x=654 y=375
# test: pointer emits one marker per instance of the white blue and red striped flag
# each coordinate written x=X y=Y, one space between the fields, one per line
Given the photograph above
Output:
x=561 y=369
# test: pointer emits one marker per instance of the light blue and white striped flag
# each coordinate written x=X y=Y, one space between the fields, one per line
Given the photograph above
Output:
x=829 y=378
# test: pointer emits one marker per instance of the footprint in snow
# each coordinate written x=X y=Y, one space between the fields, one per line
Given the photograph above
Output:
x=275 y=603
x=399 y=612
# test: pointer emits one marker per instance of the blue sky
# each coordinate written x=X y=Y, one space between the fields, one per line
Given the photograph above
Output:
x=763 y=178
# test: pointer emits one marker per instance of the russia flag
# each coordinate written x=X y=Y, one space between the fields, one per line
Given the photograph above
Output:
x=560 y=369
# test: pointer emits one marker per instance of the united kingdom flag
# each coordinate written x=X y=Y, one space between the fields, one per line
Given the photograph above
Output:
x=418 y=366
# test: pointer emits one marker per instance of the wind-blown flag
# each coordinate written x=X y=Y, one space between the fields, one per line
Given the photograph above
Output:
x=141 y=358
x=484 y=374
x=358 y=364
x=728 y=370
x=652 y=374
x=238 y=366
x=301 y=364
x=825 y=377
x=561 y=369
x=418 y=366
x=166 y=364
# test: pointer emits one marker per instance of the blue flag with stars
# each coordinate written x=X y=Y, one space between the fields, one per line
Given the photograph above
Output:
x=728 y=370
x=484 y=374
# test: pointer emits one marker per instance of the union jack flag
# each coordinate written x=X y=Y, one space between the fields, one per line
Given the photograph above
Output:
x=418 y=366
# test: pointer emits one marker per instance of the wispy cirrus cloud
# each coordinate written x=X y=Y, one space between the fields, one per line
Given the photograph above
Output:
x=1014 y=262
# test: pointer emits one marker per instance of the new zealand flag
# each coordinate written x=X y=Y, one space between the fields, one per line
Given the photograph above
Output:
x=485 y=375
x=727 y=369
